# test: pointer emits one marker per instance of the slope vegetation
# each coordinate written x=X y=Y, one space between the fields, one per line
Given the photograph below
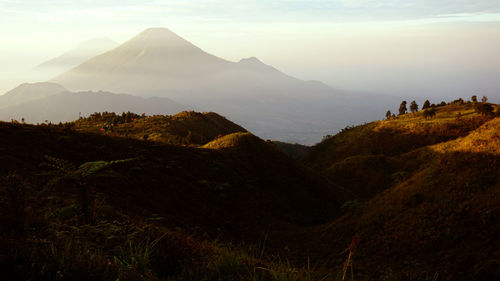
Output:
x=396 y=135
x=129 y=209
x=184 y=128
x=366 y=159
x=189 y=186
x=441 y=218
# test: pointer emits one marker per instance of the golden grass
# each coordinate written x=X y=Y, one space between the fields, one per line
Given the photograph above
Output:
x=231 y=140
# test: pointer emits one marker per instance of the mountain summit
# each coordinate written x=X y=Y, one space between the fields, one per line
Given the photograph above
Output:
x=159 y=37
x=156 y=62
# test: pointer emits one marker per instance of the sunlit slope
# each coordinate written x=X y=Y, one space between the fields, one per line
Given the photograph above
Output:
x=184 y=128
x=441 y=217
x=395 y=136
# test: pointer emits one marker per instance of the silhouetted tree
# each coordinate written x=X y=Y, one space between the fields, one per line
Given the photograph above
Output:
x=388 y=114
x=402 y=108
x=426 y=105
x=484 y=99
x=442 y=103
x=413 y=106
x=474 y=98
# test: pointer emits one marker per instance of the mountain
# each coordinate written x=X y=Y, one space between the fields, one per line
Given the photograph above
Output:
x=158 y=62
x=69 y=106
x=77 y=55
x=29 y=92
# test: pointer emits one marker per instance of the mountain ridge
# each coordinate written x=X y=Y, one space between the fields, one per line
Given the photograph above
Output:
x=28 y=92
x=69 y=106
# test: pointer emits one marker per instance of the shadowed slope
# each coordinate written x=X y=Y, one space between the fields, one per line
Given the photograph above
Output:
x=231 y=193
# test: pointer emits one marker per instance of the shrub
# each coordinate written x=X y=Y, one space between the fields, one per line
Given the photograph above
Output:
x=484 y=109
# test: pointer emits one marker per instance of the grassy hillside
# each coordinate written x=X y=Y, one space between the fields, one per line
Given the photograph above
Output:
x=185 y=128
x=83 y=206
x=396 y=135
x=441 y=218
x=410 y=198
x=366 y=159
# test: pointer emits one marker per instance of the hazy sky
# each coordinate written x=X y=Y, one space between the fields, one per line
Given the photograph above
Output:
x=420 y=47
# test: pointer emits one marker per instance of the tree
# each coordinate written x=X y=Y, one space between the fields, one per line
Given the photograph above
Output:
x=484 y=99
x=388 y=114
x=429 y=113
x=413 y=106
x=402 y=108
x=426 y=105
x=474 y=98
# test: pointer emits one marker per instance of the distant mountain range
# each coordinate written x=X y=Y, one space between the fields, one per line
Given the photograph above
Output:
x=40 y=102
x=271 y=104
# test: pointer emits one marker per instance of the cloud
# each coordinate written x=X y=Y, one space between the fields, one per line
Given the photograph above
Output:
x=252 y=10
